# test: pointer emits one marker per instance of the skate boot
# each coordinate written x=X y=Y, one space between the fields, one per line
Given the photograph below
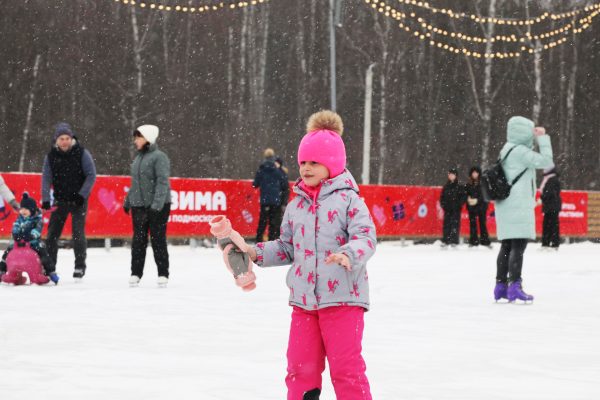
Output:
x=54 y=278
x=235 y=252
x=515 y=292
x=500 y=291
x=312 y=395
x=162 y=281
x=134 y=281
x=78 y=274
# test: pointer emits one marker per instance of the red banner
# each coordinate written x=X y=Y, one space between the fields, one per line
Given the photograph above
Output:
x=398 y=211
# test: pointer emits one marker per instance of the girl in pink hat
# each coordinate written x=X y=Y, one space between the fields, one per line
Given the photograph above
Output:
x=327 y=236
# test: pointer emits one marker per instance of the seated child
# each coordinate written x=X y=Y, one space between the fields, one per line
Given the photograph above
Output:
x=28 y=228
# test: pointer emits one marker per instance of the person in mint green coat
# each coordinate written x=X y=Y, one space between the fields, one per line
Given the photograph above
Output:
x=515 y=216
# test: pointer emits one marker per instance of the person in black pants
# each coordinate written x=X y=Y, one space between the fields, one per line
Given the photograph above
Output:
x=272 y=184
x=551 y=206
x=452 y=199
x=477 y=208
x=70 y=170
x=510 y=260
x=149 y=200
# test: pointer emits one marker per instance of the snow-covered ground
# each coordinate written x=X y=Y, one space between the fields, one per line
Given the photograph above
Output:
x=434 y=331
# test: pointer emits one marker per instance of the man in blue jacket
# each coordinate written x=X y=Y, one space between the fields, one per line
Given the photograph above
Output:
x=70 y=170
x=272 y=183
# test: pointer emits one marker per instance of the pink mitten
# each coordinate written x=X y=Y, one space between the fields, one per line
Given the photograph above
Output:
x=235 y=252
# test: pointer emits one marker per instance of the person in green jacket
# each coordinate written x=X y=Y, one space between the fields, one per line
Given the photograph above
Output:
x=515 y=217
x=149 y=200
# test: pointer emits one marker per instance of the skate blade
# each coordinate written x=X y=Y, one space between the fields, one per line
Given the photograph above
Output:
x=134 y=285
x=162 y=285
x=78 y=280
x=522 y=302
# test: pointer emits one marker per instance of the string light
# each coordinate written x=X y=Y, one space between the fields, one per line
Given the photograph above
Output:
x=495 y=20
x=202 y=8
x=389 y=11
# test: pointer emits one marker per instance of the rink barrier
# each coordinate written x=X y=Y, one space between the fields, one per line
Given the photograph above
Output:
x=398 y=211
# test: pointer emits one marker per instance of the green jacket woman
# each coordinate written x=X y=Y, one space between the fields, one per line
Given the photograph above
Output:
x=515 y=216
x=149 y=201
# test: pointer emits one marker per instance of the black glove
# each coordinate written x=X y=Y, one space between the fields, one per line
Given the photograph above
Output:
x=46 y=205
x=78 y=199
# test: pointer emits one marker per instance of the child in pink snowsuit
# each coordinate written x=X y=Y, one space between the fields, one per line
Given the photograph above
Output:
x=327 y=235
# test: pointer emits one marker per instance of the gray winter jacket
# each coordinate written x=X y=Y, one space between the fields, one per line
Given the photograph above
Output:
x=339 y=222
x=150 y=187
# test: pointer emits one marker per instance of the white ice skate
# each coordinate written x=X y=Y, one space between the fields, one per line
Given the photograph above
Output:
x=162 y=281
x=134 y=281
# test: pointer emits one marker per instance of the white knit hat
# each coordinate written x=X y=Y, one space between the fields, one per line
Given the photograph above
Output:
x=149 y=132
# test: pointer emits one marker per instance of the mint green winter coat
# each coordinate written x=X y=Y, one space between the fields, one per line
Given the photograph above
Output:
x=515 y=216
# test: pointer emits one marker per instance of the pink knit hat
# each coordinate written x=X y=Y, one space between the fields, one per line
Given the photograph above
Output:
x=323 y=143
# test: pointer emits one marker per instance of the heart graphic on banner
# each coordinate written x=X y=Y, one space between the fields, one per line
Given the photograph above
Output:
x=108 y=200
x=379 y=214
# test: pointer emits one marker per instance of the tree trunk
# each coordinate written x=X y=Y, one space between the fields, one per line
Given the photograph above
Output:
x=27 y=128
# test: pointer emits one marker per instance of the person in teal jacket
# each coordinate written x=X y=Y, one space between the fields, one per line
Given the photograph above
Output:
x=515 y=217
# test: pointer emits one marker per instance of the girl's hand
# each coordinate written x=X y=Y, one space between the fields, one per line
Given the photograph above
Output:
x=539 y=131
x=252 y=253
x=340 y=259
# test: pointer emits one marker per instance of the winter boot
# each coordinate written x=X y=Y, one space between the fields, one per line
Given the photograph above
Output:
x=500 y=291
x=312 y=395
x=235 y=252
x=515 y=292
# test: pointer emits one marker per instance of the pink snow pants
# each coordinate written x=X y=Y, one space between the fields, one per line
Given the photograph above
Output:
x=335 y=332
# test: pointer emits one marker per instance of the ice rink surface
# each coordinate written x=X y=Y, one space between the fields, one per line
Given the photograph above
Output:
x=433 y=332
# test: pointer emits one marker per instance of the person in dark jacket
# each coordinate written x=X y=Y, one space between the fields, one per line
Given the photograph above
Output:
x=149 y=200
x=477 y=208
x=452 y=199
x=272 y=184
x=70 y=170
x=551 y=206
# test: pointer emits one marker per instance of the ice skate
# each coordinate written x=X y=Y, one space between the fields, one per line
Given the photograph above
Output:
x=162 y=281
x=235 y=254
x=54 y=278
x=500 y=291
x=515 y=292
x=134 y=281
x=78 y=274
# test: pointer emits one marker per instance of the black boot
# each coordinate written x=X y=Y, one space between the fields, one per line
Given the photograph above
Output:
x=312 y=395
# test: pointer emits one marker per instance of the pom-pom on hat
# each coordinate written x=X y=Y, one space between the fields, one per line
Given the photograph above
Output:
x=149 y=132
x=323 y=142
x=29 y=203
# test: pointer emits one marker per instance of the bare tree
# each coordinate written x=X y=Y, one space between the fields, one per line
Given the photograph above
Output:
x=31 y=97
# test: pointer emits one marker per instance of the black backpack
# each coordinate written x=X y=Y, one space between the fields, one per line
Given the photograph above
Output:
x=494 y=185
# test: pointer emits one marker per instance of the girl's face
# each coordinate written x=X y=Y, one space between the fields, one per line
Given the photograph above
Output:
x=25 y=213
x=139 y=141
x=313 y=173
x=475 y=175
x=451 y=177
